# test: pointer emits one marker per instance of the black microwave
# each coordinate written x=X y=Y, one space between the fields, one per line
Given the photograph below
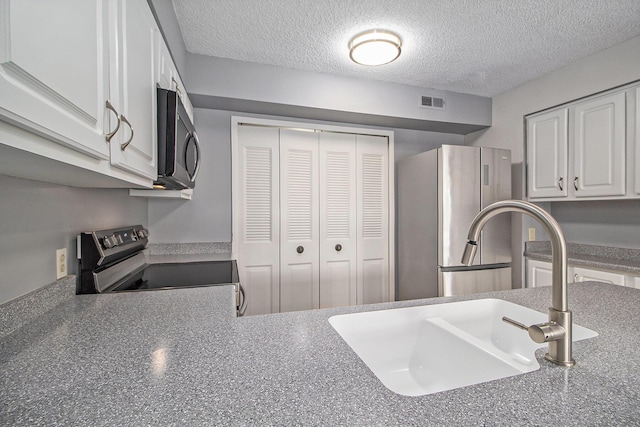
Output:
x=178 y=145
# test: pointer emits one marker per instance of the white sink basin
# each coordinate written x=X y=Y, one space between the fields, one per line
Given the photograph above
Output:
x=422 y=350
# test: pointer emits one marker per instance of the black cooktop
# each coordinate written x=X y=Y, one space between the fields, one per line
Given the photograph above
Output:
x=178 y=275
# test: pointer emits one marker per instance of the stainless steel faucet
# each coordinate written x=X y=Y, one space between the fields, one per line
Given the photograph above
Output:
x=557 y=331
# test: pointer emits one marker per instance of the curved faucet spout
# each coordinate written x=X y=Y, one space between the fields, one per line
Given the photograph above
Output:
x=559 y=350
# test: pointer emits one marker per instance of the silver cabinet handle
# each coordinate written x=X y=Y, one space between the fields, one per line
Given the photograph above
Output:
x=560 y=183
x=300 y=249
x=124 y=145
x=338 y=247
x=110 y=135
x=575 y=278
x=575 y=183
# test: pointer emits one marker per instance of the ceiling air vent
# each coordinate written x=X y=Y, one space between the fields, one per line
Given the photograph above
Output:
x=432 y=102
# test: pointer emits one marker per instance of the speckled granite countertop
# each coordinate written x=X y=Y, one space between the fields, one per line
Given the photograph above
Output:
x=188 y=252
x=170 y=358
x=602 y=257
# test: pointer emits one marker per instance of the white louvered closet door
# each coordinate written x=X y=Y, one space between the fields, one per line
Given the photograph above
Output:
x=373 y=219
x=338 y=218
x=299 y=219
x=258 y=217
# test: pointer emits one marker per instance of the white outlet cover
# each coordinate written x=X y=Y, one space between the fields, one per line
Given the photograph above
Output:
x=61 y=263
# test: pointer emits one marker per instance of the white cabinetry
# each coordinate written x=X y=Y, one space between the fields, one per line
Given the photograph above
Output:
x=581 y=274
x=168 y=77
x=132 y=81
x=54 y=67
x=312 y=218
x=579 y=151
x=539 y=274
x=71 y=74
x=547 y=154
x=599 y=146
x=637 y=145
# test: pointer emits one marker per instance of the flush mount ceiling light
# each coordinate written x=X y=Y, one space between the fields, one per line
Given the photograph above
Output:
x=375 y=47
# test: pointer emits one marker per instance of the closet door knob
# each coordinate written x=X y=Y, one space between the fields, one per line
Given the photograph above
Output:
x=338 y=247
x=300 y=249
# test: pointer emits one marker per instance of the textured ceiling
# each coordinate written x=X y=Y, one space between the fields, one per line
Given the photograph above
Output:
x=482 y=47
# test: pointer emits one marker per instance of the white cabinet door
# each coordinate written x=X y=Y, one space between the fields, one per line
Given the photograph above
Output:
x=599 y=146
x=53 y=71
x=547 y=154
x=168 y=77
x=338 y=217
x=133 y=86
x=581 y=274
x=299 y=221
x=372 y=155
x=258 y=215
x=538 y=273
x=637 y=139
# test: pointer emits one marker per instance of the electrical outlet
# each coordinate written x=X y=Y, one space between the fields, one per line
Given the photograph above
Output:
x=532 y=234
x=61 y=263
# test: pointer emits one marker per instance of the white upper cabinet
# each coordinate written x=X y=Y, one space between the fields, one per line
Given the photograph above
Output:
x=168 y=77
x=54 y=69
x=583 y=150
x=637 y=140
x=133 y=86
x=547 y=154
x=78 y=81
x=599 y=147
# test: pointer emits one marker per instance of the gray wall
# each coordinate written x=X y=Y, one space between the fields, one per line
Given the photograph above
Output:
x=227 y=84
x=37 y=218
x=207 y=217
x=612 y=67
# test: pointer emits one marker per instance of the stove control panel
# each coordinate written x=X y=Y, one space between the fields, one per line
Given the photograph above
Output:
x=106 y=246
x=121 y=237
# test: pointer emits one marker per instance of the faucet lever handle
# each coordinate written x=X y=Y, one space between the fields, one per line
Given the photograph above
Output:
x=540 y=333
x=515 y=323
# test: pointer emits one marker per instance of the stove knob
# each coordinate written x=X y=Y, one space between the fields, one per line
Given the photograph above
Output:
x=119 y=239
x=107 y=242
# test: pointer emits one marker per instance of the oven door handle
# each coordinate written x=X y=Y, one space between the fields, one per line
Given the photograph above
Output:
x=243 y=301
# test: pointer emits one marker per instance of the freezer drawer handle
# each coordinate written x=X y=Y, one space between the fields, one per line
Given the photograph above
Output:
x=300 y=249
x=338 y=247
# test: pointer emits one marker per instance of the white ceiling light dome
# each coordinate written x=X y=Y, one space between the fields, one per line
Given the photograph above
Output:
x=375 y=47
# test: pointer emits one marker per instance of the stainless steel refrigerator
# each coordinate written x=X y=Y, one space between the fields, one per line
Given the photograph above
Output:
x=439 y=193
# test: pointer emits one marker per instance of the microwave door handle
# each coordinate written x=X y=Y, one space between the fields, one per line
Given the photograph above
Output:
x=243 y=305
x=197 y=143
